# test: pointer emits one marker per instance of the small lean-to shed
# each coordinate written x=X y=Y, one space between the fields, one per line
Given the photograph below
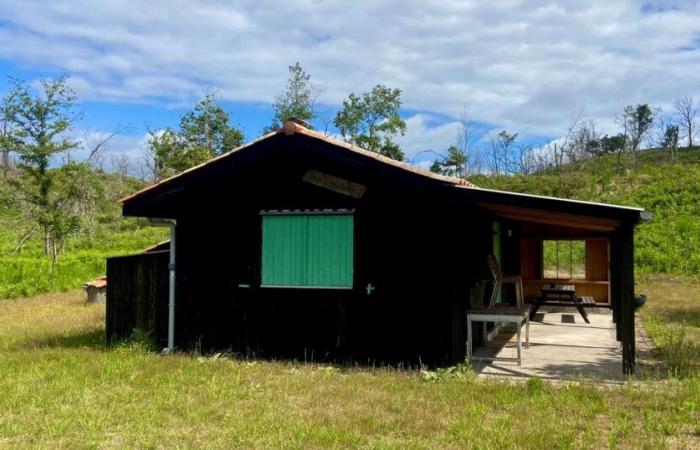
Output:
x=298 y=245
x=96 y=290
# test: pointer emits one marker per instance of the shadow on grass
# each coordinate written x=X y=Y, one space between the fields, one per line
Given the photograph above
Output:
x=91 y=339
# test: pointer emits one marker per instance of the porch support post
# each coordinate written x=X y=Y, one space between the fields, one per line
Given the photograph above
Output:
x=626 y=298
x=615 y=283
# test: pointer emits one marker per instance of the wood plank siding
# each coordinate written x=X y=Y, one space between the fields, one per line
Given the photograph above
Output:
x=137 y=296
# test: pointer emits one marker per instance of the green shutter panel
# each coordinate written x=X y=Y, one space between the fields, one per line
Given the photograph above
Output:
x=307 y=250
x=330 y=254
x=284 y=250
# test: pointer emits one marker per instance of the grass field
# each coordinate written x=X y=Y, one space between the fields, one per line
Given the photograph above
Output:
x=672 y=318
x=61 y=388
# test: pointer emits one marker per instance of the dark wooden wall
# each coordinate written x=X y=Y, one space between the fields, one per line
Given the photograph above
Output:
x=137 y=296
x=420 y=249
x=421 y=258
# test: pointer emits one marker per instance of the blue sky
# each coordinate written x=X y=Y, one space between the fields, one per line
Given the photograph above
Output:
x=522 y=66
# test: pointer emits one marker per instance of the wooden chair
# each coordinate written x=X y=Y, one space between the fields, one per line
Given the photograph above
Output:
x=499 y=280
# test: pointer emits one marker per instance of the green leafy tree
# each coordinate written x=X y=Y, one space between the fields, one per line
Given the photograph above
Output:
x=612 y=144
x=204 y=132
x=668 y=138
x=297 y=100
x=637 y=122
x=454 y=164
x=372 y=121
x=41 y=124
x=207 y=126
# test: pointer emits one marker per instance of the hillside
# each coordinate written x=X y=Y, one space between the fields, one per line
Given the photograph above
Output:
x=670 y=241
x=28 y=272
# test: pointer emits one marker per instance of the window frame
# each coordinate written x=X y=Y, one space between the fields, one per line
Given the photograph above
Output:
x=571 y=260
x=308 y=213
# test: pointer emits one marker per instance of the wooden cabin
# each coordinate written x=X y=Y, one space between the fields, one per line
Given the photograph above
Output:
x=300 y=246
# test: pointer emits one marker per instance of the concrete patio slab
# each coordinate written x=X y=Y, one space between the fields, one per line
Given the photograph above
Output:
x=562 y=347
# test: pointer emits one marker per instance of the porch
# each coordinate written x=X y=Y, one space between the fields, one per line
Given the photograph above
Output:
x=562 y=347
x=581 y=257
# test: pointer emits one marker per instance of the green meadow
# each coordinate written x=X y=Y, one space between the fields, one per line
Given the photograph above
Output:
x=61 y=388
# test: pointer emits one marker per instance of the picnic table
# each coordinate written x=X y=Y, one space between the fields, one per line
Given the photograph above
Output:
x=559 y=295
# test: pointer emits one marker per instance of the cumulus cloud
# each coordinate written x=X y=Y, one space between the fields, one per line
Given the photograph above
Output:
x=524 y=65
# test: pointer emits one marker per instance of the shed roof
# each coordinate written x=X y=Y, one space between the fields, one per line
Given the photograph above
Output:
x=290 y=128
x=99 y=283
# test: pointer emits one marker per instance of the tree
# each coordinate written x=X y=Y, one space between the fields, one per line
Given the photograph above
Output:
x=668 y=138
x=371 y=121
x=501 y=159
x=297 y=101
x=612 y=144
x=8 y=133
x=637 y=122
x=454 y=164
x=685 y=116
x=460 y=156
x=204 y=132
x=41 y=124
x=207 y=126
x=584 y=140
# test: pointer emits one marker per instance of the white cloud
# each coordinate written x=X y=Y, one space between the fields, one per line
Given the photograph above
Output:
x=523 y=65
x=423 y=136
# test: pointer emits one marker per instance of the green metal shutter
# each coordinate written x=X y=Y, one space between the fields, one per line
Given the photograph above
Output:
x=284 y=247
x=307 y=250
x=330 y=255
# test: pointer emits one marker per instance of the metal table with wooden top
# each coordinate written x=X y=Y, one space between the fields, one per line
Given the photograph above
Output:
x=495 y=314
x=559 y=295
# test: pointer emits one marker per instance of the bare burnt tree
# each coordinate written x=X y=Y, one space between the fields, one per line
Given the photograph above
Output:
x=464 y=142
x=502 y=146
x=524 y=162
x=97 y=145
x=584 y=141
x=686 y=110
